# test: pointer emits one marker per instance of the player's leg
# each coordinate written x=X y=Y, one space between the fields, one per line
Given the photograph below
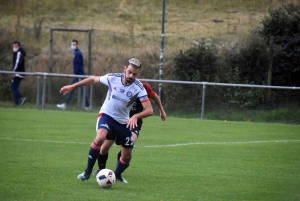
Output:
x=102 y=127
x=103 y=155
x=93 y=153
x=123 y=163
x=134 y=138
x=124 y=138
x=95 y=148
x=135 y=134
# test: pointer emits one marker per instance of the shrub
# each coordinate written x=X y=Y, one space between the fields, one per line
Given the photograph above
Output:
x=283 y=24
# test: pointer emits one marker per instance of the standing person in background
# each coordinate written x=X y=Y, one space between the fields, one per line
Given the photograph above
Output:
x=78 y=70
x=18 y=67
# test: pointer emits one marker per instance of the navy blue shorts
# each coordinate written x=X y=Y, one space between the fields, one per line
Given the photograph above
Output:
x=136 y=130
x=117 y=131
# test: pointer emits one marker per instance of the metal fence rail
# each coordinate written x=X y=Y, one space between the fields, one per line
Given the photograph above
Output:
x=181 y=95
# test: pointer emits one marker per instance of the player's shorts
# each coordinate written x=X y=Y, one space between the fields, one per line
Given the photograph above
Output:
x=117 y=131
x=136 y=130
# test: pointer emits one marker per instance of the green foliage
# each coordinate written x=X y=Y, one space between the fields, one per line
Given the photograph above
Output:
x=245 y=63
x=283 y=24
x=197 y=63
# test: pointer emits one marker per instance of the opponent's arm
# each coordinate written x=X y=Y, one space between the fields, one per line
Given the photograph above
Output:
x=88 y=81
x=157 y=101
x=148 y=111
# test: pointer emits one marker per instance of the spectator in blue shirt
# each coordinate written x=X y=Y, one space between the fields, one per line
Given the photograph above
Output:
x=78 y=70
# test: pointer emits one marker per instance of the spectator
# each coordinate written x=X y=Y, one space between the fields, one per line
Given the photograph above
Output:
x=18 y=67
x=78 y=70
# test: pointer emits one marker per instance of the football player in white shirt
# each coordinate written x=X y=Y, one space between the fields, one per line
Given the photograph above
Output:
x=113 y=118
x=111 y=139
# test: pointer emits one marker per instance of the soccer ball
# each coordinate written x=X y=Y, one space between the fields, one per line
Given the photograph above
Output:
x=106 y=178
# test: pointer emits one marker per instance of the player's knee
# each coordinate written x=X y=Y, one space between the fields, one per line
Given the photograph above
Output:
x=99 y=141
x=134 y=138
x=104 y=150
x=100 y=137
x=126 y=160
x=126 y=157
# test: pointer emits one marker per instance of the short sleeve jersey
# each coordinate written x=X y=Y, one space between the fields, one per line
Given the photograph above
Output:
x=137 y=106
x=120 y=97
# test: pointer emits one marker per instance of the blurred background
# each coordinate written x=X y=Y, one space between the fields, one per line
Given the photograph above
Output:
x=229 y=41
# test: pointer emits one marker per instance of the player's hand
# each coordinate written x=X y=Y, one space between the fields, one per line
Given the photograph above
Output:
x=66 y=89
x=163 y=115
x=132 y=122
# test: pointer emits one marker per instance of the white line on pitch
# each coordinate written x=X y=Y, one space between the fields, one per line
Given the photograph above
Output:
x=154 y=146
x=208 y=143
x=36 y=140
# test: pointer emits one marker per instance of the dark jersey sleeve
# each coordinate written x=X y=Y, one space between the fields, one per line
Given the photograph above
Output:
x=149 y=89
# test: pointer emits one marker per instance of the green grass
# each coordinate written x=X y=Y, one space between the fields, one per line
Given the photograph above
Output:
x=43 y=151
x=281 y=115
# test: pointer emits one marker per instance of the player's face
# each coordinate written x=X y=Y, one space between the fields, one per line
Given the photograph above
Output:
x=130 y=74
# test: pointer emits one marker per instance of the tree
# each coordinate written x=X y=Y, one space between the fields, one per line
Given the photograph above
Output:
x=197 y=63
x=284 y=24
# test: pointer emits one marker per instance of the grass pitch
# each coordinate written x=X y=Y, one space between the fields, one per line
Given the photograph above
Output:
x=42 y=152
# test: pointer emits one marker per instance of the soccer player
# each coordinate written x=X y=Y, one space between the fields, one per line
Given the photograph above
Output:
x=137 y=107
x=113 y=118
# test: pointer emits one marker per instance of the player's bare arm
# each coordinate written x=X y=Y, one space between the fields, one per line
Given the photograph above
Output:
x=162 y=112
x=88 y=81
x=148 y=111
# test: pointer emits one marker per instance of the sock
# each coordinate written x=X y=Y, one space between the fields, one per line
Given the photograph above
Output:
x=119 y=156
x=93 y=154
x=102 y=161
x=121 y=167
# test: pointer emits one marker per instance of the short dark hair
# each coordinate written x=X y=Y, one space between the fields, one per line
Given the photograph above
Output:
x=17 y=42
x=75 y=41
x=135 y=63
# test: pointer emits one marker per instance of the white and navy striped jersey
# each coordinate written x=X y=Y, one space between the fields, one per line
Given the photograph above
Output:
x=120 y=97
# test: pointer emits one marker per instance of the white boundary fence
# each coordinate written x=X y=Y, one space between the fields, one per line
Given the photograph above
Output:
x=44 y=76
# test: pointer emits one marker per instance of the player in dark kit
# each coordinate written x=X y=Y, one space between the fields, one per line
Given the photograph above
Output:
x=137 y=107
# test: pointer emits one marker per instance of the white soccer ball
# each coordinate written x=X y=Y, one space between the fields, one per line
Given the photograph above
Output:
x=106 y=178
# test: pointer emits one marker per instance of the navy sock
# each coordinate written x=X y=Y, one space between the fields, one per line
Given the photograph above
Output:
x=102 y=161
x=121 y=167
x=91 y=160
x=119 y=156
